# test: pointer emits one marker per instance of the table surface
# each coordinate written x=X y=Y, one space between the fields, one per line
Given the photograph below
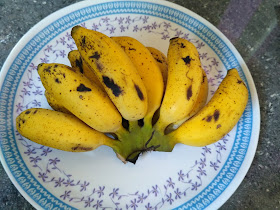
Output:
x=253 y=28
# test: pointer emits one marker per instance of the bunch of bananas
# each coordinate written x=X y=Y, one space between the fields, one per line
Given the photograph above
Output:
x=131 y=98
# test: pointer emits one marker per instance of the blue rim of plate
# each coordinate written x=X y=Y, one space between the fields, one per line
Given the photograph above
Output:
x=11 y=155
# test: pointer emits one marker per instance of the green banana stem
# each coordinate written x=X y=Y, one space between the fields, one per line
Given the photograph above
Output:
x=131 y=144
x=121 y=131
x=140 y=138
x=148 y=120
x=160 y=126
x=161 y=142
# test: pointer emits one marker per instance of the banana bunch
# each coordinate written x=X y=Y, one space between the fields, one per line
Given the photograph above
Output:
x=132 y=98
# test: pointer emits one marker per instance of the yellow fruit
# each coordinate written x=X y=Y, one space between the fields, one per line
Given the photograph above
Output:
x=218 y=117
x=116 y=86
x=114 y=70
x=200 y=102
x=76 y=93
x=147 y=68
x=183 y=83
x=53 y=104
x=59 y=130
x=161 y=60
x=77 y=63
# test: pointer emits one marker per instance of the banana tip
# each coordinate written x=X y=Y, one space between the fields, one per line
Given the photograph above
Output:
x=74 y=29
x=39 y=66
x=173 y=38
x=70 y=53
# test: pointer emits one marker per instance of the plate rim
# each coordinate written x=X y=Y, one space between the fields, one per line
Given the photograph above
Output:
x=73 y=7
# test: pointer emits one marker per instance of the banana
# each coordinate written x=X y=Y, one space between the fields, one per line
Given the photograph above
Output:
x=76 y=93
x=218 y=117
x=147 y=68
x=59 y=130
x=77 y=63
x=161 y=60
x=54 y=104
x=183 y=82
x=134 y=79
x=114 y=70
x=200 y=102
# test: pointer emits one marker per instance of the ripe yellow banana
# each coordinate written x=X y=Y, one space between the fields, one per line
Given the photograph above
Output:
x=77 y=63
x=200 y=102
x=218 y=117
x=114 y=70
x=76 y=93
x=132 y=77
x=59 y=130
x=183 y=83
x=161 y=60
x=54 y=104
x=148 y=69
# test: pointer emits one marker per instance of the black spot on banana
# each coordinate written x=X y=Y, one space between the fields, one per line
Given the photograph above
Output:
x=189 y=92
x=208 y=119
x=82 y=148
x=187 y=60
x=83 y=88
x=216 y=115
x=47 y=69
x=79 y=64
x=99 y=65
x=57 y=80
x=139 y=92
x=96 y=55
x=116 y=90
x=176 y=37
x=158 y=60
x=83 y=44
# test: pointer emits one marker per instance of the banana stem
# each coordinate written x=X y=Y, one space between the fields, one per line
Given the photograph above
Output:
x=148 y=120
x=160 y=142
x=133 y=126
x=139 y=138
x=132 y=143
x=160 y=126
x=121 y=131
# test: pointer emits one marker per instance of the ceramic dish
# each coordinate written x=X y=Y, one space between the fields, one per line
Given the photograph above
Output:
x=187 y=178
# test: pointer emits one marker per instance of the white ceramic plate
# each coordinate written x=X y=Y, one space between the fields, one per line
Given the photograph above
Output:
x=187 y=178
